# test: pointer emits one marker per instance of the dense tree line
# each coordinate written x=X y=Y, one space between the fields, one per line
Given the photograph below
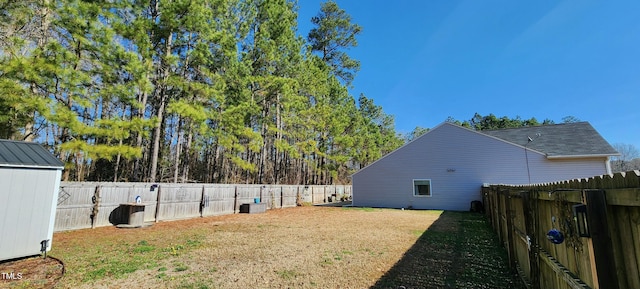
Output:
x=215 y=91
x=490 y=122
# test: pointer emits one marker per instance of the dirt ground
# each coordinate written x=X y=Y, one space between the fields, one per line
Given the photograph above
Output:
x=304 y=247
x=32 y=272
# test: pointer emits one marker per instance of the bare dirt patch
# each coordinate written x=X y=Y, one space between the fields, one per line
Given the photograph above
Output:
x=32 y=272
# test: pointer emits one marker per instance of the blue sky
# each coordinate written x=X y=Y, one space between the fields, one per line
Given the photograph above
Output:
x=423 y=61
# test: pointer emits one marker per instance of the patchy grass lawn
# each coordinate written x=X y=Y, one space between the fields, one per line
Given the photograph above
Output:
x=304 y=247
x=459 y=250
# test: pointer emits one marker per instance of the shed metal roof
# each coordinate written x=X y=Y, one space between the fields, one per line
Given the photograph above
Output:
x=577 y=139
x=26 y=154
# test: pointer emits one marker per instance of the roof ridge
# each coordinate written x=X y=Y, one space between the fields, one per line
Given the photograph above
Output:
x=540 y=125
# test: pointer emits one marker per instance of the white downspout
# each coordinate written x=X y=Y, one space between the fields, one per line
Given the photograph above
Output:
x=607 y=164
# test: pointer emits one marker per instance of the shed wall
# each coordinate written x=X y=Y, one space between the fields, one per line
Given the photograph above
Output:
x=27 y=210
x=458 y=161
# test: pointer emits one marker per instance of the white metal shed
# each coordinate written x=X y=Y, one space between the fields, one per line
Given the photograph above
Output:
x=29 y=184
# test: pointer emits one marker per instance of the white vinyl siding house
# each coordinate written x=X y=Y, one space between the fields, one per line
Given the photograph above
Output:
x=457 y=161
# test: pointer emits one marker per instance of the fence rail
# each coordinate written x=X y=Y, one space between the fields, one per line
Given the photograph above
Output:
x=93 y=204
x=606 y=254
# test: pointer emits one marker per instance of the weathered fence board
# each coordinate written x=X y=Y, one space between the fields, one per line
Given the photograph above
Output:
x=218 y=200
x=74 y=207
x=608 y=258
x=95 y=204
x=290 y=196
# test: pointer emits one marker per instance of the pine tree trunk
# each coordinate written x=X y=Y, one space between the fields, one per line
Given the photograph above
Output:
x=137 y=170
x=160 y=113
x=176 y=160
x=156 y=140
x=115 y=171
x=278 y=157
x=263 y=151
x=187 y=161
x=29 y=133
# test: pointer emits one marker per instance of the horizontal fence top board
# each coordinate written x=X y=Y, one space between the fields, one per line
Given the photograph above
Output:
x=630 y=179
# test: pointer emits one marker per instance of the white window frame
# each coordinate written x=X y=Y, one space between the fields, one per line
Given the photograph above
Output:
x=413 y=182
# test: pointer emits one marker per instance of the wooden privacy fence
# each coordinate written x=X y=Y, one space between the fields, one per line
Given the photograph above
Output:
x=609 y=257
x=88 y=205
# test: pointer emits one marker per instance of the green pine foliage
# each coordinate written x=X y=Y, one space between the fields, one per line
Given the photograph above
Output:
x=335 y=33
x=207 y=91
x=491 y=122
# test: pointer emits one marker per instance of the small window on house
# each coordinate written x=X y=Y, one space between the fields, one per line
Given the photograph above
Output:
x=422 y=188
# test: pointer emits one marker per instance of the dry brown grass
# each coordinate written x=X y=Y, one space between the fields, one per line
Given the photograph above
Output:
x=304 y=247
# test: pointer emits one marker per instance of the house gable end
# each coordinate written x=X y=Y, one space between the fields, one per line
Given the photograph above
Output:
x=426 y=136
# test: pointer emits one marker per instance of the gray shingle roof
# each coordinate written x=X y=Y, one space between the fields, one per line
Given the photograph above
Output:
x=569 y=139
x=26 y=154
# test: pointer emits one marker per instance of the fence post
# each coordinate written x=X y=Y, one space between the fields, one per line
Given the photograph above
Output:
x=158 y=196
x=495 y=214
x=509 y=226
x=532 y=238
x=600 y=246
x=281 y=197
x=235 y=199
x=202 y=204
x=499 y=214
x=485 y=199
x=96 y=206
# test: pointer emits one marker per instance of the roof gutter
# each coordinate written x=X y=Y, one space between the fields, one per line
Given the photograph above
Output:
x=31 y=167
x=581 y=156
